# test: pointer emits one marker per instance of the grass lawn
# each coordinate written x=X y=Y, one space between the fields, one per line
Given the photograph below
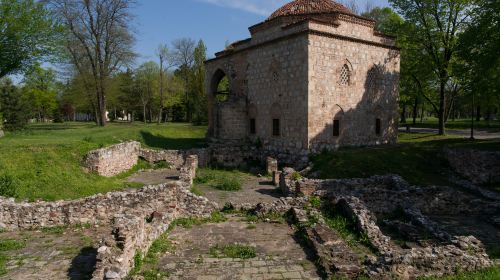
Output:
x=220 y=179
x=417 y=158
x=486 y=274
x=492 y=126
x=45 y=161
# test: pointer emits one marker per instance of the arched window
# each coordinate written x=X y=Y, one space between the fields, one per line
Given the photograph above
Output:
x=372 y=78
x=345 y=75
x=223 y=90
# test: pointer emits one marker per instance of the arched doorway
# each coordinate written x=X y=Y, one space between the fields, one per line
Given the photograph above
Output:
x=220 y=92
x=220 y=86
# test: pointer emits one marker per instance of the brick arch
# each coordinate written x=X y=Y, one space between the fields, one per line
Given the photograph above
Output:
x=275 y=111
x=217 y=77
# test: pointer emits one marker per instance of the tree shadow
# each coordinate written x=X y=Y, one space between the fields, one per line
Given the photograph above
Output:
x=275 y=193
x=161 y=142
x=372 y=119
x=83 y=265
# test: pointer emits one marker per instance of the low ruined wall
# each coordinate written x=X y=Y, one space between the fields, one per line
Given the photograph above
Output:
x=456 y=253
x=113 y=160
x=479 y=167
x=176 y=158
x=383 y=194
x=96 y=209
x=133 y=234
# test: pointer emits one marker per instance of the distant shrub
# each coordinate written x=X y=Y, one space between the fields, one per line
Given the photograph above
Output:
x=7 y=186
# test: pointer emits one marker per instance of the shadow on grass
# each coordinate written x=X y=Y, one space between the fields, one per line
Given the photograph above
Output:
x=161 y=142
x=83 y=265
x=59 y=126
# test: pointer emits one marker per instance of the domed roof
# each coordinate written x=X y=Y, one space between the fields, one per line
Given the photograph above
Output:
x=306 y=7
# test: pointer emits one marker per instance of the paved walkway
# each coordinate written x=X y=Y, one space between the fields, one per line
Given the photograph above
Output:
x=254 y=190
x=478 y=134
x=61 y=253
x=279 y=256
x=154 y=177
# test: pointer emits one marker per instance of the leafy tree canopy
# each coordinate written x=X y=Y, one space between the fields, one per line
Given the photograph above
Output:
x=28 y=34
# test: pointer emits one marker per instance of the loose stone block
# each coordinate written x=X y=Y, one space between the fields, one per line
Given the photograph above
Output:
x=272 y=165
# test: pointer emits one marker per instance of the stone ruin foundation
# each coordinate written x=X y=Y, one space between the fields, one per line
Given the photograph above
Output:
x=403 y=223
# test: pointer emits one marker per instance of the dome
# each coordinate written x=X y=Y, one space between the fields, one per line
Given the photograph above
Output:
x=306 y=7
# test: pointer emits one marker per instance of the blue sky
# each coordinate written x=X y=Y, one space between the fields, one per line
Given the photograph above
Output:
x=214 y=21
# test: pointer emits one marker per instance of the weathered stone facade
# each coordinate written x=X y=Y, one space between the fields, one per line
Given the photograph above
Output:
x=113 y=160
x=313 y=76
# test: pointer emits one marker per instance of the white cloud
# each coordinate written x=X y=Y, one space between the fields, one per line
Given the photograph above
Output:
x=260 y=7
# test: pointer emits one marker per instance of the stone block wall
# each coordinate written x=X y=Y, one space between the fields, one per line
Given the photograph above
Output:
x=480 y=167
x=371 y=93
x=96 y=209
x=113 y=160
x=133 y=234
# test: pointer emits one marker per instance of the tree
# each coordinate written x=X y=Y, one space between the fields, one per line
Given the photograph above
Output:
x=200 y=110
x=166 y=60
x=99 y=39
x=436 y=25
x=40 y=90
x=147 y=75
x=13 y=108
x=28 y=35
x=479 y=61
x=184 y=59
x=128 y=98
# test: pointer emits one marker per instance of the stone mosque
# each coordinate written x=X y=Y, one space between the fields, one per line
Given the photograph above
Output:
x=312 y=76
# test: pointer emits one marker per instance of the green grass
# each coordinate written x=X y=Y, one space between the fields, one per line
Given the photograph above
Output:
x=7 y=245
x=346 y=228
x=492 y=126
x=486 y=274
x=224 y=180
x=417 y=158
x=197 y=191
x=11 y=245
x=45 y=160
x=158 y=248
x=236 y=251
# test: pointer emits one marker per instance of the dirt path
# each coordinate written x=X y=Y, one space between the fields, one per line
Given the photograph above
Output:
x=278 y=256
x=465 y=133
x=154 y=177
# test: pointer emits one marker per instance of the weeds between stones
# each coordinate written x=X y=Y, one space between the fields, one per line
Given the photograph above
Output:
x=162 y=245
x=235 y=251
x=224 y=180
x=7 y=245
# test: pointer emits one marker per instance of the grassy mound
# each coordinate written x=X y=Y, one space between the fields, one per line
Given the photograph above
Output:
x=45 y=161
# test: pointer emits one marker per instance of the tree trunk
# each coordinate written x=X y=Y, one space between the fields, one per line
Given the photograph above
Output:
x=403 y=114
x=422 y=112
x=415 y=109
x=144 y=113
x=442 y=106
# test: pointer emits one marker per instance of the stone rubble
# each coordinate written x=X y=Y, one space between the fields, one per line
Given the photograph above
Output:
x=479 y=167
x=140 y=216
